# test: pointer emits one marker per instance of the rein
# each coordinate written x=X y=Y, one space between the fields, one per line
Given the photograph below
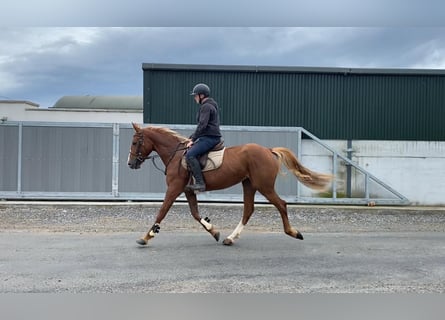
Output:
x=172 y=155
x=152 y=158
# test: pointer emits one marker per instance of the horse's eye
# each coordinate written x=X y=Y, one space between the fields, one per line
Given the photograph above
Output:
x=134 y=143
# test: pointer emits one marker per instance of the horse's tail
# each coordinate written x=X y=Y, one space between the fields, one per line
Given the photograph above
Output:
x=311 y=179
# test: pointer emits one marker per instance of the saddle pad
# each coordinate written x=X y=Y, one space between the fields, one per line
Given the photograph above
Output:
x=214 y=161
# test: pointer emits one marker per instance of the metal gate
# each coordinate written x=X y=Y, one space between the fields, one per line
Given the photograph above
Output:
x=87 y=161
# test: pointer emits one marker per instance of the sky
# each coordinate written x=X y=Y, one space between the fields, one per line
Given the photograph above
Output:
x=43 y=60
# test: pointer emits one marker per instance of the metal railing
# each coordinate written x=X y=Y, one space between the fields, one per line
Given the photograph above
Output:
x=397 y=199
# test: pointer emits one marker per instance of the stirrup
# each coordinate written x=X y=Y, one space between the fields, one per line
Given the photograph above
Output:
x=195 y=187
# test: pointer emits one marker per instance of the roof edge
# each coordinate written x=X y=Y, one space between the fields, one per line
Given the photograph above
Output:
x=289 y=69
x=20 y=102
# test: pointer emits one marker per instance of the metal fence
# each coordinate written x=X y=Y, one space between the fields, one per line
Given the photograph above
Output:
x=88 y=161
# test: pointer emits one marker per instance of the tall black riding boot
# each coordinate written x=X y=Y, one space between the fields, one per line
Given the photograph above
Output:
x=195 y=168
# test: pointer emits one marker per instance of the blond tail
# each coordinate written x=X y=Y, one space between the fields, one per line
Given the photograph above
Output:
x=311 y=179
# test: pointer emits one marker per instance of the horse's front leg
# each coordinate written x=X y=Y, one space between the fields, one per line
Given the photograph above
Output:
x=193 y=205
x=170 y=197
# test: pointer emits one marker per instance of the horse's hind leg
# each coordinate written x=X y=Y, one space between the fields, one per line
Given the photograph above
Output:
x=249 y=197
x=281 y=205
x=193 y=205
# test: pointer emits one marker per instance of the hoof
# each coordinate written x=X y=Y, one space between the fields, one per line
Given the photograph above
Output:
x=142 y=242
x=227 y=242
x=299 y=236
x=216 y=236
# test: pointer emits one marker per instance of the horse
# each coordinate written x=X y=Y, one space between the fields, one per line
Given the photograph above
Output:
x=253 y=165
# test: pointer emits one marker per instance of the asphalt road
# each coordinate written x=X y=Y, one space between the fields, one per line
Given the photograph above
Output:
x=194 y=262
x=56 y=250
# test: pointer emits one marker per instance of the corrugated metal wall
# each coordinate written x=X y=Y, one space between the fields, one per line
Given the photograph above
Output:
x=66 y=159
x=151 y=180
x=8 y=157
x=76 y=161
x=332 y=103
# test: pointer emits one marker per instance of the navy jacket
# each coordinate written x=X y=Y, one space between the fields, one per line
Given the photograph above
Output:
x=207 y=118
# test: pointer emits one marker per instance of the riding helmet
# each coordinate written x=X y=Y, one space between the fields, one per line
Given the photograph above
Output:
x=201 y=88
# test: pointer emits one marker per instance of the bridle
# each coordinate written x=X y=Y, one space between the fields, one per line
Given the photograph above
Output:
x=138 y=153
x=141 y=159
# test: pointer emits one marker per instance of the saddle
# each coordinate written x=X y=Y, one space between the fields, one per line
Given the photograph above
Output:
x=211 y=160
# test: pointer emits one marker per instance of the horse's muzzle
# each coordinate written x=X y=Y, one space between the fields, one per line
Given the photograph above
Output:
x=134 y=164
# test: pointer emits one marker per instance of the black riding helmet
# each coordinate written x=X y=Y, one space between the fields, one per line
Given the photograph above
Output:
x=201 y=88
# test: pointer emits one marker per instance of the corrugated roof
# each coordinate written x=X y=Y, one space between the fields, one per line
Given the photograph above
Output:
x=100 y=102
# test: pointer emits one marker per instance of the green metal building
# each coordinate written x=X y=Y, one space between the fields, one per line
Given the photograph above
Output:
x=332 y=103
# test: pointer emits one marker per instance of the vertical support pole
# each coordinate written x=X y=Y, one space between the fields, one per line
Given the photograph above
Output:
x=367 y=187
x=334 y=172
x=115 y=166
x=349 y=170
x=19 y=159
x=299 y=158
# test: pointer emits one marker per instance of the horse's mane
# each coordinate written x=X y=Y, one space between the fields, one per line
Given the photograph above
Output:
x=170 y=132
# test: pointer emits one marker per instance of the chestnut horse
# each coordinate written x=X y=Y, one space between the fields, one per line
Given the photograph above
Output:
x=255 y=166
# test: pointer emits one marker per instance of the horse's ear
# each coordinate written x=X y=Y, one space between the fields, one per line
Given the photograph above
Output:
x=136 y=127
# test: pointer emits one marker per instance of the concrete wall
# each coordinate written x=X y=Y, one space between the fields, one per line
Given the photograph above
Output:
x=416 y=169
x=11 y=110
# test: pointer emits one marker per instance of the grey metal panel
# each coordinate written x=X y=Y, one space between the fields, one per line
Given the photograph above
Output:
x=8 y=157
x=286 y=184
x=66 y=159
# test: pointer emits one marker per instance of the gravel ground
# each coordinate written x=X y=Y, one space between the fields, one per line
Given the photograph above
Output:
x=104 y=217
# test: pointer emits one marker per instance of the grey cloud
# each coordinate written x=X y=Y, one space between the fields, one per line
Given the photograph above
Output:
x=43 y=64
x=204 y=13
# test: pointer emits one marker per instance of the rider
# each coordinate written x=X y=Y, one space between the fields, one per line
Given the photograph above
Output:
x=206 y=136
